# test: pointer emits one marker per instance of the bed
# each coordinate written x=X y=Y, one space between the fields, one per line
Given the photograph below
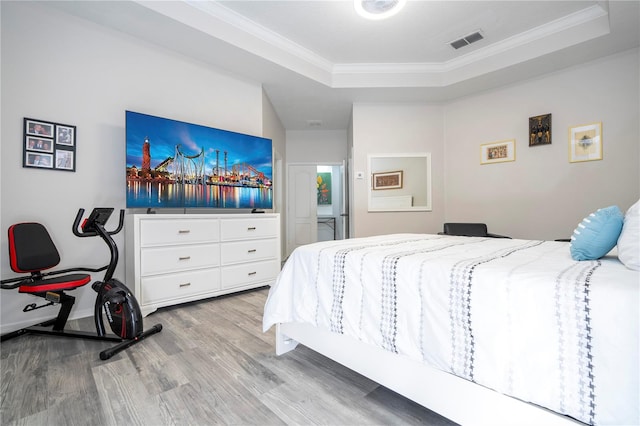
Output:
x=480 y=330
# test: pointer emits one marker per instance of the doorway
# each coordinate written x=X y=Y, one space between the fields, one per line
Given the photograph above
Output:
x=316 y=204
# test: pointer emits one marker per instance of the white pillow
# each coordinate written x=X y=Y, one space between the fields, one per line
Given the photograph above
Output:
x=629 y=240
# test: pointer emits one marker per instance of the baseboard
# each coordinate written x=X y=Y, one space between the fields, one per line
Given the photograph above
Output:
x=76 y=314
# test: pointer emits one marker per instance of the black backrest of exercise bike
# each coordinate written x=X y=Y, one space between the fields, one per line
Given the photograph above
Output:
x=31 y=248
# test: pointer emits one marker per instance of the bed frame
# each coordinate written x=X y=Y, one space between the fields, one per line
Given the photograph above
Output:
x=459 y=400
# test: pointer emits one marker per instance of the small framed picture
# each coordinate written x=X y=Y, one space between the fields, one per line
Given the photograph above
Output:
x=540 y=130
x=324 y=188
x=39 y=144
x=39 y=128
x=387 y=180
x=49 y=145
x=585 y=143
x=38 y=159
x=65 y=135
x=64 y=160
x=498 y=152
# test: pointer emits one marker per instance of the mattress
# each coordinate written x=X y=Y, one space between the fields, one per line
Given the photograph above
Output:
x=517 y=316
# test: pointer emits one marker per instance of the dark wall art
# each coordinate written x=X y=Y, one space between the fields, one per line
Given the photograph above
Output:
x=49 y=145
x=540 y=130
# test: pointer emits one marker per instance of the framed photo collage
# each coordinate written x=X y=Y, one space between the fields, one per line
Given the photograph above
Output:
x=49 y=145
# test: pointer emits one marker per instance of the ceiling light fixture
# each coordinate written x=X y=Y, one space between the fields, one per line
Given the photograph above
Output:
x=378 y=9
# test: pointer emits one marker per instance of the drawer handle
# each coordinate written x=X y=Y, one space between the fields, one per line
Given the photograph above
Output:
x=251 y=228
x=184 y=258
x=252 y=251
x=185 y=285
x=184 y=231
x=252 y=273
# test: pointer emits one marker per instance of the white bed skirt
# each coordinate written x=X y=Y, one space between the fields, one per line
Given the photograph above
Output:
x=457 y=399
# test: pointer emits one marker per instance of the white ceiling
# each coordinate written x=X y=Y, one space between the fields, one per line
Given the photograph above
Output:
x=316 y=58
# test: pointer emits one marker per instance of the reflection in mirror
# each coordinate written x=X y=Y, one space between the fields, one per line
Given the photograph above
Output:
x=400 y=182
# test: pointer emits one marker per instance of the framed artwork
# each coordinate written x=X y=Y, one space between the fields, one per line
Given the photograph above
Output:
x=49 y=145
x=387 y=180
x=585 y=143
x=498 y=152
x=324 y=188
x=540 y=130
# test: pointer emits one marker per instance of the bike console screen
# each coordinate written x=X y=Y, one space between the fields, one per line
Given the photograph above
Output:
x=99 y=216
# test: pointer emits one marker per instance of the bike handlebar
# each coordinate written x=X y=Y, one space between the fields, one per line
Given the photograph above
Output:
x=79 y=232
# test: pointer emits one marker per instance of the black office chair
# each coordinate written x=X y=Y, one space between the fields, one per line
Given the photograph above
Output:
x=469 y=230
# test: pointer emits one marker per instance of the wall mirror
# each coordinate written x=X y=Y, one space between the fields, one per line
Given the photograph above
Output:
x=399 y=182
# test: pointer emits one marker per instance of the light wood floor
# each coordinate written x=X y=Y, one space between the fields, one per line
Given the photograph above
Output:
x=211 y=364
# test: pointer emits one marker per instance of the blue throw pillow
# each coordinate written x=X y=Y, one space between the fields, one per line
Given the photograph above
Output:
x=597 y=234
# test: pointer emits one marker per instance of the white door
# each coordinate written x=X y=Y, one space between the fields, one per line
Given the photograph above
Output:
x=302 y=206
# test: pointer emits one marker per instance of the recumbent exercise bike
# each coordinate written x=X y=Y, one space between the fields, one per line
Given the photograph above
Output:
x=31 y=250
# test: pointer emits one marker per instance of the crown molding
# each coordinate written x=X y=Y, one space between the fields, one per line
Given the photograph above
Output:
x=590 y=17
x=225 y=24
x=569 y=30
x=259 y=32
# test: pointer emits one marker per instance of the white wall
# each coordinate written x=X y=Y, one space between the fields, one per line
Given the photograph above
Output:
x=60 y=68
x=541 y=195
x=392 y=129
x=316 y=146
x=273 y=129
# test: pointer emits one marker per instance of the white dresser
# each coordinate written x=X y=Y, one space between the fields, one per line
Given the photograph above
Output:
x=177 y=258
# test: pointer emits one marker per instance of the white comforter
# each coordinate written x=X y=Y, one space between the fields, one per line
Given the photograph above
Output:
x=517 y=316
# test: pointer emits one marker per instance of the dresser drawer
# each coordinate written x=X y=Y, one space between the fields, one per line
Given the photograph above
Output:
x=249 y=251
x=156 y=260
x=179 y=285
x=163 y=232
x=252 y=227
x=179 y=258
x=249 y=273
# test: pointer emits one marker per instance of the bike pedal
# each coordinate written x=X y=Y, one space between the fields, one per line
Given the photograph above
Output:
x=30 y=307
x=52 y=297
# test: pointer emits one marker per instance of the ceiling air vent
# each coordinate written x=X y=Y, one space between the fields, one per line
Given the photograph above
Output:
x=464 y=41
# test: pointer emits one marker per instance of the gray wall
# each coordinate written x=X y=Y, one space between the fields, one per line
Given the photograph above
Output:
x=540 y=195
x=60 y=68
x=381 y=128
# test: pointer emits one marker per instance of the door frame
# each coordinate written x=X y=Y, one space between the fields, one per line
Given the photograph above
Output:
x=344 y=183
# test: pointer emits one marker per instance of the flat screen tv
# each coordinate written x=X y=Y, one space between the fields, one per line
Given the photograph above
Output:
x=173 y=164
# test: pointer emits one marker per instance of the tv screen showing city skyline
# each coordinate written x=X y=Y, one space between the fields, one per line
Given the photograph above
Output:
x=172 y=163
